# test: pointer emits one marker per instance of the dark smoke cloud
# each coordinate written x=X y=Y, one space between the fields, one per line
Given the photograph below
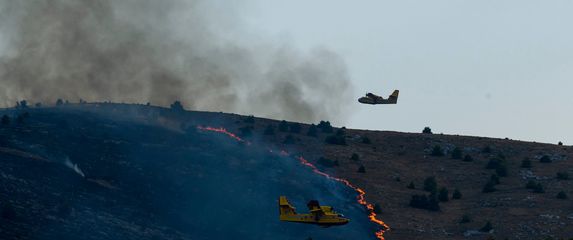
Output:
x=158 y=52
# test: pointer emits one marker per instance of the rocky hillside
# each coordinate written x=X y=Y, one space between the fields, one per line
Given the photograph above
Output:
x=101 y=171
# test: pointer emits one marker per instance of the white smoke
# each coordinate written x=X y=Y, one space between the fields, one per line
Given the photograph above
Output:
x=74 y=167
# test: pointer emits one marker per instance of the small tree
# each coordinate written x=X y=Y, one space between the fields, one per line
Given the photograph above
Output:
x=295 y=127
x=560 y=143
x=59 y=102
x=531 y=184
x=361 y=169
x=22 y=104
x=427 y=130
x=501 y=169
x=443 y=195
x=457 y=194
x=545 y=159
x=437 y=151
x=366 y=140
x=246 y=131
x=465 y=219
x=325 y=126
x=563 y=175
x=487 y=227
x=5 y=120
x=489 y=187
x=377 y=209
x=468 y=158
x=250 y=119
x=327 y=162
x=312 y=131
x=270 y=130
x=526 y=163
x=538 y=188
x=411 y=185
x=561 y=195
x=283 y=126
x=289 y=139
x=486 y=149
x=177 y=106
x=430 y=184
x=494 y=179
x=355 y=157
x=457 y=153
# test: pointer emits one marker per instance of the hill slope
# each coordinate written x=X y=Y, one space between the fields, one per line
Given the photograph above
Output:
x=149 y=173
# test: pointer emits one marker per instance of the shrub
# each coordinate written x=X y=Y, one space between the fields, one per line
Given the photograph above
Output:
x=501 y=169
x=560 y=143
x=22 y=104
x=5 y=120
x=487 y=227
x=177 y=106
x=325 y=127
x=270 y=130
x=465 y=219
x=489 y=187
x=443 y=195
x=295 y=127
x=545 y=159
x=377 y=209
x=327 y=162
x=538 y=188
x=530 y=184
x=250 y=119
x=526 y=163
x=8 y=211
x=486 y=149
x=289 y=139
x=437 y=151
x=563 y=175
x=493 y=163
x=366 y=140
x=457 y=153
x=59 y=102
x=336 y=140
x=38 y=105
x=457 y=194
x=468 y=158
x=411 y=185
x=494 y=179
x=361 y=169
x=562 y=195
x=425 y=202
x=430 y=184
x=283 y=126
x=427 y=130
x=355 y=157
x=312 y=131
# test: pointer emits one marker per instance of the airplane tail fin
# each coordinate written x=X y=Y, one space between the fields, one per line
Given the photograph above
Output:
x=394 y=96
x=285 y=208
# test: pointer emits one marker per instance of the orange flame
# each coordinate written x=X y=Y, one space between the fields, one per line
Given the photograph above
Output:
x=360 y=198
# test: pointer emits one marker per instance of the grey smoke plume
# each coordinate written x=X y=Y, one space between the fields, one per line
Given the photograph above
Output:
x=159 y=52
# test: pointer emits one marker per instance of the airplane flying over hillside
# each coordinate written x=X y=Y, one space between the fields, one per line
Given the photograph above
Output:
x=320 y=215
x=373 y=99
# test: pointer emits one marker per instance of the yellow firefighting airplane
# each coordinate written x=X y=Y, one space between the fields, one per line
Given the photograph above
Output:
x=320 y=215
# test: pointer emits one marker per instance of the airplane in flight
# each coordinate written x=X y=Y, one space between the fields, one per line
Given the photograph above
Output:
x=375 y=99
x=320 y=215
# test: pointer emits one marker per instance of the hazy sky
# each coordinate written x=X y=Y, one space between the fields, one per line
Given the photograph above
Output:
x=486 y=68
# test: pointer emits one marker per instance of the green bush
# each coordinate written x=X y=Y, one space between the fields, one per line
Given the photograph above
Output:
x=443 y=195
x=361 y=169
x=312 y=131
x=427 y=130
x=425 y=202
x=250 y=119
x=563 y=175
x=325 y=127
x=560 y=143
x=437 y=151
x=489 y=187
x=327 y=162
x=457 y=194
x=468 y=158
x=545 y=159
x=562 y=195
x=457 y=153
x=526 y=163
x=177 y=106
x=487 y=227
x=411 y=185
x=59 y=102
x=355 y=157
x=430 y=184
x=283 y=126
x=270 y=130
